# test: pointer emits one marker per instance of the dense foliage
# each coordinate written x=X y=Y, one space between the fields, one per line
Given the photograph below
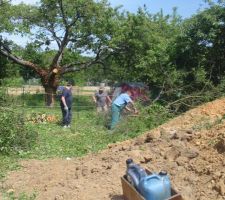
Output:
x=15 y=136
x=148 y=118
x=182 y=59
x=60 y=27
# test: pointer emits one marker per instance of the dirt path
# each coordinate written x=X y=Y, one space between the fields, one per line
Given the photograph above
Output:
x=190 y=147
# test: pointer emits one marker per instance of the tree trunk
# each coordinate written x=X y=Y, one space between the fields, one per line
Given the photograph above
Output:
x=50 y=94
x=50 y=82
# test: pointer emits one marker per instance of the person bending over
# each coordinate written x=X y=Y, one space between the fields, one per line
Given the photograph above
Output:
x=120 y=103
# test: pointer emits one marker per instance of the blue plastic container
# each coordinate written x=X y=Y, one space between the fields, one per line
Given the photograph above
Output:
x=151 y=187
x=155 y=187
x=134 y=173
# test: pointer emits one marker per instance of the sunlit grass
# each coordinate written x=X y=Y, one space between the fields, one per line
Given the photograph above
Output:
x=88 y=132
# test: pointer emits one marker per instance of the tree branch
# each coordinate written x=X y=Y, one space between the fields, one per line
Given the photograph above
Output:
x=53 y=32
x=66 y=38
x=79 y=67
x=58 y=57
x=78 y=15
x=20 y=61
x=63 y=13
x=160 y=93
x=181 y=100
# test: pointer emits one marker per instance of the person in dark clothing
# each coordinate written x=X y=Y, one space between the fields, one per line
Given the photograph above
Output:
x=66 y=105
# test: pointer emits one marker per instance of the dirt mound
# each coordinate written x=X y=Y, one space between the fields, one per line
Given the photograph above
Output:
x=190 y=147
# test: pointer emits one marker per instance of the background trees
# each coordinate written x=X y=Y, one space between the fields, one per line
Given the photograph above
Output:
x=143 y=47
x=178 y=57
x=79 y=26
x=201 y=46
x=199 y=53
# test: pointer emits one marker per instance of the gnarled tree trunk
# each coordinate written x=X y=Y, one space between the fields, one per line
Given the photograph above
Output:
x=50 y=83
x=50 y=94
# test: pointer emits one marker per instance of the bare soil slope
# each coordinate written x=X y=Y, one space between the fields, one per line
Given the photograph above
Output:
x=190 y=147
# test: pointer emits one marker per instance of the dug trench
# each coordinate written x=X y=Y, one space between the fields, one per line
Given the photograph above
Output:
x=190 y=148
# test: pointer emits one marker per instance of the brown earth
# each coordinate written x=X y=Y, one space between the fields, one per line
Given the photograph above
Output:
x=190 y=147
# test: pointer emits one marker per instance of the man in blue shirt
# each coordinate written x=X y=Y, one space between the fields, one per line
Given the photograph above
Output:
x=66 y=104
x=121 y=102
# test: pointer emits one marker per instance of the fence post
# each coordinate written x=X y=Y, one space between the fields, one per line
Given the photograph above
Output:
x=23 y=95
x=78 y=92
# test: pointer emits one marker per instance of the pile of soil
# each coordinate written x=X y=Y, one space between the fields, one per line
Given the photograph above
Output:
x=191 y=148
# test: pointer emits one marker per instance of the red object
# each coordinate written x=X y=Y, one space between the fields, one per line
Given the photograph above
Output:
x=138 y=91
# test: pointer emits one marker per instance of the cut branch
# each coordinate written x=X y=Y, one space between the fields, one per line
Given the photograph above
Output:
x=182 y=99
x=160 y=93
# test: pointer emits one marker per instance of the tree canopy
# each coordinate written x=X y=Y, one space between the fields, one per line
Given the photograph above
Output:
x=179 y=57
x=77 y=25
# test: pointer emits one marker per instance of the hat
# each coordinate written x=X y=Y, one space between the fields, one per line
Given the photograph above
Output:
x=101 y=88
x=69 y=83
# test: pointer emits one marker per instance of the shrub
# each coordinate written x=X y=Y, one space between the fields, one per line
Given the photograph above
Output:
x=5 y=99
x=13 y=82
x=148 y=118
x=3 y=96
x=155 y=115
x=15 y=135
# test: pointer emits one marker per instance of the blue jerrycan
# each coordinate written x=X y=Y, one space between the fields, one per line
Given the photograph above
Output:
x=134 y=173
x=155 y=187
x=151 y=187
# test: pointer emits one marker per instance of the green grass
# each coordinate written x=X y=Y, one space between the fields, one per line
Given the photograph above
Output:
x=7 y=163
x=9 y=195
x=88 y=133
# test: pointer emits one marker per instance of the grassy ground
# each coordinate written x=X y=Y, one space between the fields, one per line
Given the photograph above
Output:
x=88 y=132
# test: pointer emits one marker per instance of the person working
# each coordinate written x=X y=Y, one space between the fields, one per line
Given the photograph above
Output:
x=101 y=98
x=121 y=102
x=66 y=104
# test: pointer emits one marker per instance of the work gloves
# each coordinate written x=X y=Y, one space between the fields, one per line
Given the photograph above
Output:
x=66 y=108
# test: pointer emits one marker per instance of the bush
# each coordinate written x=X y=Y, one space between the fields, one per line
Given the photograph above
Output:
x=155 y=115
x=15 y=135
x=13 y=82
x=148 y=118
x=3 y=96
x=5 y=99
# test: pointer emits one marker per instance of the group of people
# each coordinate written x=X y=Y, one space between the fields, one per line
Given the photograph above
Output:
x=102 y=101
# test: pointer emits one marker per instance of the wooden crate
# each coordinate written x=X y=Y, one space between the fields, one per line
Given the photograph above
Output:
x=130 y=193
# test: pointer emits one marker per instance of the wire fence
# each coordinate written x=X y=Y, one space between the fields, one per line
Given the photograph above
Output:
x=35 y=97
x=31 y=101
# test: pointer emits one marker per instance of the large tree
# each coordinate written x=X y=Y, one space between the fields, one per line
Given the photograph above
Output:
x=200 y=49
x=143 y=46
x=82 y=26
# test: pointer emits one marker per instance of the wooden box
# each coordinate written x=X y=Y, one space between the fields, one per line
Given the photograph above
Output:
x=130 y=193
